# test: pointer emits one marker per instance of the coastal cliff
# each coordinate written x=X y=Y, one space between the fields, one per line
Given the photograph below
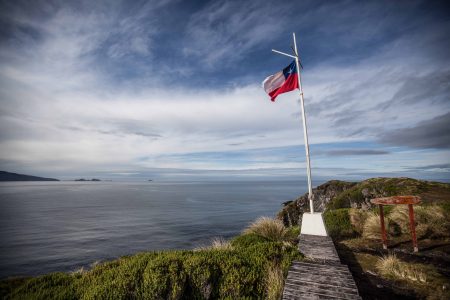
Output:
x=342 y=194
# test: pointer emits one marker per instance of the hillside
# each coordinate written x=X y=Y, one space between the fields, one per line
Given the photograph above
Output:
x=7 y=176
x=354 y=225
x=336 y=194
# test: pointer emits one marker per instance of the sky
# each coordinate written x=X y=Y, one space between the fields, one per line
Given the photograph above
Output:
x=172 y=89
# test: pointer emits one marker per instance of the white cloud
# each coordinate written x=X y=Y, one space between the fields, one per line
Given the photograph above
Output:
x=61 y=111
x=223 y=31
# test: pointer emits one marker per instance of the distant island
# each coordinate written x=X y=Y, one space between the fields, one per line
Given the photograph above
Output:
x=82 y=179
x=7 y=176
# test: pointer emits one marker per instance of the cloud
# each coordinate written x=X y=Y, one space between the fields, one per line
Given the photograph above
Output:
x=434 y=168
x=433 y=133
x=224 y=31
x=432 y=88
x=351 y=152
x=113 y=86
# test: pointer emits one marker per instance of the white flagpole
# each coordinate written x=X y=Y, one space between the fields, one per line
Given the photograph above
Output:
x=305 y=129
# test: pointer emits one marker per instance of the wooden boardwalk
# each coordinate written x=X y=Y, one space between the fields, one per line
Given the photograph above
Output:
x=321 y=275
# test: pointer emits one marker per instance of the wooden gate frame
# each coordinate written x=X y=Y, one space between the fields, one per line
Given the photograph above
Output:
x=396 y=200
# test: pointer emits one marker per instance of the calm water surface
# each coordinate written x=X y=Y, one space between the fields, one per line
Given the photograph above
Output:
x=62 y=226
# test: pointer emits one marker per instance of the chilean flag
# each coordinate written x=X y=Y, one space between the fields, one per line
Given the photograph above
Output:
x=281 y=82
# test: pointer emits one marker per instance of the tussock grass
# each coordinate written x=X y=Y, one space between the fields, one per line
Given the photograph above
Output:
x=218 y=243
x=274 y=282
x=391 y=267
x=268 y=228
x=431 y=221
x=372 y=227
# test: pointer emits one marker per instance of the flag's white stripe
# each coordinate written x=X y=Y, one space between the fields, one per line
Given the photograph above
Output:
x=273 y=82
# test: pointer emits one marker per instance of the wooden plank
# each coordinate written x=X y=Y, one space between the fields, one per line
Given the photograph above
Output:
x=351 y=288
x=327 y=279
x=299 y=290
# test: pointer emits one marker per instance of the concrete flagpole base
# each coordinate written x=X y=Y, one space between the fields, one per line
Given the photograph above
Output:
x=313 y=224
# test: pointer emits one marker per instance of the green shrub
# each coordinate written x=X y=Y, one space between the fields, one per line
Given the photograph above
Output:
x=338 y=223
x=248 y=240
x=164 y=277
x=357 y=219
x=119 y=279
x=343 y=199
x=52 y=286
x=293 y=232
x=240 y=272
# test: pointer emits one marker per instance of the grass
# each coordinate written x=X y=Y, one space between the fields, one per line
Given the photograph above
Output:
x=384 y=187
x=217 y=243
x=269 y=228
x=274 y=282
x=361 y=249
x=251 y=265
x=391 y=267
x=431 y=220
x=372 y=226
x=354 y=224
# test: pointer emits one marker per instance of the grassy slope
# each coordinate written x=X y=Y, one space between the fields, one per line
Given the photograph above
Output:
x=363 y=255
x=213 y=273
x=430 y=192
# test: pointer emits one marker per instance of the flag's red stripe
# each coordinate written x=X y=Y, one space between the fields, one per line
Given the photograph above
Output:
x=290 y=84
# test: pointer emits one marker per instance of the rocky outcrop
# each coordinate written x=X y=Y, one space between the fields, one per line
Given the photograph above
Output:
x=336 y=194
x=323 y=194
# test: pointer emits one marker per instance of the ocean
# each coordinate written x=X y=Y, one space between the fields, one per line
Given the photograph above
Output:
x=63 y=226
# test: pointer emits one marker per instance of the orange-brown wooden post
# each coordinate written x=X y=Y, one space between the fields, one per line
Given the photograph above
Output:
x=412 y=226
x=396 y=200
x=383 y=229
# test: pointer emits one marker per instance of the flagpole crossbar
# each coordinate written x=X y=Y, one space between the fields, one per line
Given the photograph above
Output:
x=282 y=53
x=305 y=129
